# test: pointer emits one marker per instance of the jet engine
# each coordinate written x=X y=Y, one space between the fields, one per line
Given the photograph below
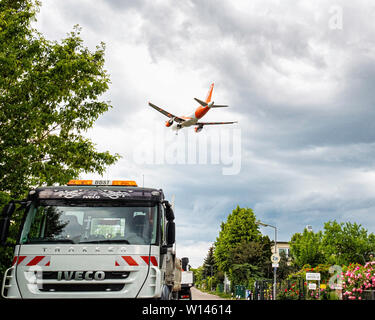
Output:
x=169 y=122
x=198 y=129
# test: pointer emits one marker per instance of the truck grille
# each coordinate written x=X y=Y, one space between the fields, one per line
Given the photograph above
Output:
x=49 y=285
x=81 y=287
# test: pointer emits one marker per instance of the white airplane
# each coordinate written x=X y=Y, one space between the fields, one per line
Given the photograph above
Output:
x=193 y=119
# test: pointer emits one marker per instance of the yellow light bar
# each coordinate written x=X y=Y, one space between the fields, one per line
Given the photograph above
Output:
x=102 y=183
x=79 y=182
x=124 y=183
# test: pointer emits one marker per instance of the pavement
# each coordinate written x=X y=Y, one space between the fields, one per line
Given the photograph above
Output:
x=199 y=295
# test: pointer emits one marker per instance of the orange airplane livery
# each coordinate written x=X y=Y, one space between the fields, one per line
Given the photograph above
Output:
x=193 y=119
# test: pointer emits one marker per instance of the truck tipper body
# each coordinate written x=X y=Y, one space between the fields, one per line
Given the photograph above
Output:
x=91 y=239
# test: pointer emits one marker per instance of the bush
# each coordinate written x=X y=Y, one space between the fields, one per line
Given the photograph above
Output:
x=286 y=294
x=357 y=279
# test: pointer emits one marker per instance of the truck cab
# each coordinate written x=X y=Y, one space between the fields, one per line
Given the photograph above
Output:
x=91 y=239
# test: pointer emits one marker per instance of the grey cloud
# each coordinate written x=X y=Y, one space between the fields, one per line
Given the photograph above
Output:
x=292 y=215
x=301 y=148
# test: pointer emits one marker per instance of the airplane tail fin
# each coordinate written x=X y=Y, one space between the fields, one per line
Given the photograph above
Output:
x=209 y=94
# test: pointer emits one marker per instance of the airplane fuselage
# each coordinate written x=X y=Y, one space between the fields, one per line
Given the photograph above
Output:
x=192 y=119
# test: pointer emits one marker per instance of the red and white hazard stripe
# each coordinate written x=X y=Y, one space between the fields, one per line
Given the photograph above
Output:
x=30 y=261
x=136 y=261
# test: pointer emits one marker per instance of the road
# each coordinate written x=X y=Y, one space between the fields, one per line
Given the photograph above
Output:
x=199 y=295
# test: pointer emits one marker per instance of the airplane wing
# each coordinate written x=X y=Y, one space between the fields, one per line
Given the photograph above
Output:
x=166 y=113
x=213 y=123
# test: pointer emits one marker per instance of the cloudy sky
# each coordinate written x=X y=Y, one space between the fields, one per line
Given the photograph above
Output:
x=297 y=75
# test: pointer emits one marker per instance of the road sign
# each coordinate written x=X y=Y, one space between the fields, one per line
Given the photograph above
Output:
x=312 y=276
x=275 y=265
x=312 y=286
x=275 y=258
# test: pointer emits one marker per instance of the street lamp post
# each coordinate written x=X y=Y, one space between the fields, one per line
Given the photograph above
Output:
x=274 y=268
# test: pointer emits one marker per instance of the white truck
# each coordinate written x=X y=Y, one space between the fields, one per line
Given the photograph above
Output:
x=91 y=239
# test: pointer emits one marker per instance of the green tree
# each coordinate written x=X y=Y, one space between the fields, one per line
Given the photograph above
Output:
x=49 y=96
x=240 y=226
x=285 y=268
x=250 y=260
x=198 y=275
x=306 y=248
x=209 y=264
x=210 y=269
x=346 y=243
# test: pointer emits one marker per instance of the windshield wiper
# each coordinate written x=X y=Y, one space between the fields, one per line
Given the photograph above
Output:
x=107 y=241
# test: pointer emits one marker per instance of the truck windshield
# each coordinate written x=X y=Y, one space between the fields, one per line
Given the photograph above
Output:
x=74 y=224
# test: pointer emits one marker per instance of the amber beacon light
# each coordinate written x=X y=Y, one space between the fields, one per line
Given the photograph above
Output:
x=102 y=183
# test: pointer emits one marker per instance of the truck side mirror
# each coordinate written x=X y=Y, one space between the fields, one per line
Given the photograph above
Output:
x=5 y=222
x=171 y=233
x=169 y=214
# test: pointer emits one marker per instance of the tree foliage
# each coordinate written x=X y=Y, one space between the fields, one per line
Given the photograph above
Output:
x=255 y=253
x=240 y=249
x=240 y=225
x=250 y=260
x=339 y=243
x=285 y=267
x=49 y=96
x=209 y=264
x=345 y=243
x=306 y=248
